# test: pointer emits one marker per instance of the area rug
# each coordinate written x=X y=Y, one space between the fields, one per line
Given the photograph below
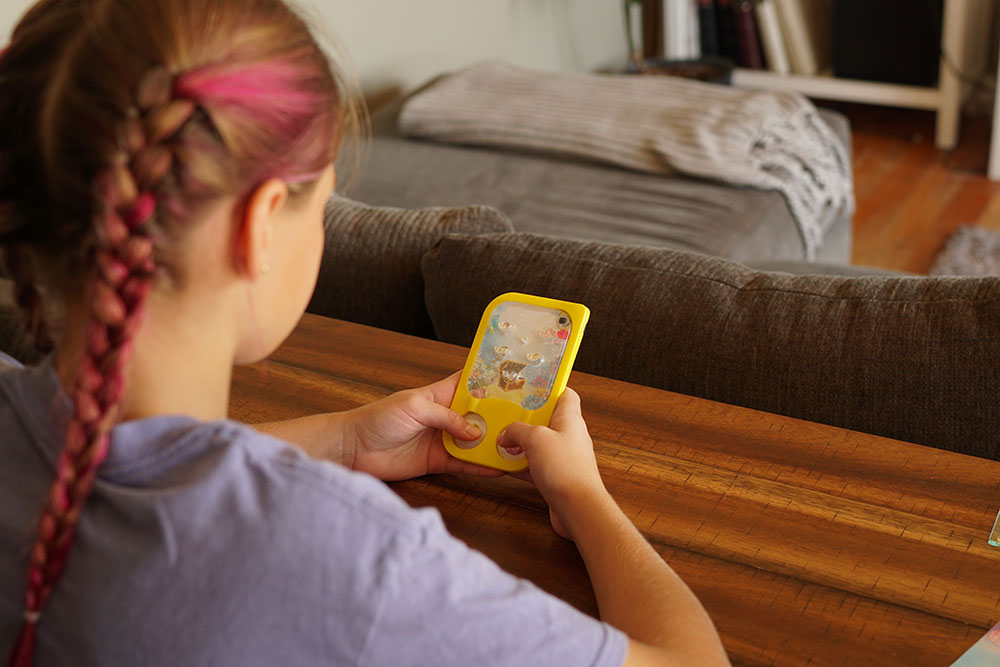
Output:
x=969 y=251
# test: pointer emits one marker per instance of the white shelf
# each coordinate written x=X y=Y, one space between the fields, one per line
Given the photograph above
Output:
x=828 y=87
x=993 y=170
x=960 y=20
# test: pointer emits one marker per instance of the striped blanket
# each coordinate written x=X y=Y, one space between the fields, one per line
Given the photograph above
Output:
x=657 y=124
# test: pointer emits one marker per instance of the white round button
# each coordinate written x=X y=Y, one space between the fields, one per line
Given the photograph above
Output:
x=506 y=454
x=476 y=419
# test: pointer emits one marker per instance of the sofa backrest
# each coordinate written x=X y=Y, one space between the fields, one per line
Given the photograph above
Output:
x=911 y=358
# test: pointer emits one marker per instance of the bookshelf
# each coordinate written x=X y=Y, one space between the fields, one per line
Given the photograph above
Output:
x=993 y=170
x=945 y=98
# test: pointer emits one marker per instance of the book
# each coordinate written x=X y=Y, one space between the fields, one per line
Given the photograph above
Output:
x=681 y=39
x=771 y=38
x=805 y=26
x=674 y=30
x=694 y=29
x=725 y=30
x=749 y=53
x=708 y=28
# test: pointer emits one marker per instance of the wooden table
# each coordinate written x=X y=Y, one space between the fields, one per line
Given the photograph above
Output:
x=807 y=544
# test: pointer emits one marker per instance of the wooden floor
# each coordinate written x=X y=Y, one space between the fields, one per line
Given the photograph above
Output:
x=911 y=196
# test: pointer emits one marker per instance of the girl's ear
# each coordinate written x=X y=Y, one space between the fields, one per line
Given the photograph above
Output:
x=255 y=222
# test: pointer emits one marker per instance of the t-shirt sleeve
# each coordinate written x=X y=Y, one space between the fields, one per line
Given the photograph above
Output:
x=7 y=361
x=446 y=604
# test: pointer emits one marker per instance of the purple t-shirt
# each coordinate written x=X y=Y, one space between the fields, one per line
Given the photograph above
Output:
x=212 y=544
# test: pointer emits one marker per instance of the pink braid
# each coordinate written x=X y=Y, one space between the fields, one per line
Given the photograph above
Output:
x=125 y=261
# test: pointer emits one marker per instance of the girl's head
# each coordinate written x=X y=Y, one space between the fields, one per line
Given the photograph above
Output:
x=180 y=101
x=121 y=123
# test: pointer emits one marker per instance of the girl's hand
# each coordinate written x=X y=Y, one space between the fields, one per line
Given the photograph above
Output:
x=561 y=462
x=399 y=437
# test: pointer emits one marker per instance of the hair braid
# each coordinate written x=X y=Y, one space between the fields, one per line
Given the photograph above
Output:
x=127 y=192
x=103 y=161
x=28 y=298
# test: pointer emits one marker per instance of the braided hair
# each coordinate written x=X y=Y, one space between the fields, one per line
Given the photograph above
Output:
x=117 y=119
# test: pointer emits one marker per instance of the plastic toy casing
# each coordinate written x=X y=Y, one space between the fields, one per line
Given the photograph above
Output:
x=517 y=369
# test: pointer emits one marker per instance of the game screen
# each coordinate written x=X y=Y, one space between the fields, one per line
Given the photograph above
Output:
x=520 y=354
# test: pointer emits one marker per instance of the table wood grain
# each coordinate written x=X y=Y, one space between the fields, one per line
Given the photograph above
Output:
x=808 y=544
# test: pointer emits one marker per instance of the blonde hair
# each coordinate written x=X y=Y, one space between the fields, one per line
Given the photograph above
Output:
x=116 y=118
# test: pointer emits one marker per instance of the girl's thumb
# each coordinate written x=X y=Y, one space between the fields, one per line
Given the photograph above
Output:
x=516 y=437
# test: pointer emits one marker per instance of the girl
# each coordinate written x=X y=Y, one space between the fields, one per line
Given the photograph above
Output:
x=164 y=166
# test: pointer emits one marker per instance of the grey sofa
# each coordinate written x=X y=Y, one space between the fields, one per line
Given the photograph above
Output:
x=904 y=357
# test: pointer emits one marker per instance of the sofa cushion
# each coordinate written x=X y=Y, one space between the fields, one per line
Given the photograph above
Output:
x=571 y=199
x=371 y=263
x=910 y=358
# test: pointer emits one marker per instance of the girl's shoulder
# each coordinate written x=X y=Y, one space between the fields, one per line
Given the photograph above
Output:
x=236 y=500
x=183 y=462
x=8 y=362
x=183 y=456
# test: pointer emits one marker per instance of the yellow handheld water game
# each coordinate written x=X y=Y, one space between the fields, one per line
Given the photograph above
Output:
x=517 y=369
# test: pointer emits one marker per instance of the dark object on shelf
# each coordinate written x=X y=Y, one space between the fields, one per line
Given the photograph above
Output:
x=708 y=29
x=725 y=29
x=750 y=54
x=894 y=41
x=711 y=70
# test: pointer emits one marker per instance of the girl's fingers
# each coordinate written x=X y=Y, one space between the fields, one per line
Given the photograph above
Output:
x=437 y=416
x=517 y=435
x=442 y=391
x=567 y=411
x=456 y=466
x=523 y=475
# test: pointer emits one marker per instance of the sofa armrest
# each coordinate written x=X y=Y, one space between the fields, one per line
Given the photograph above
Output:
x=371 y=261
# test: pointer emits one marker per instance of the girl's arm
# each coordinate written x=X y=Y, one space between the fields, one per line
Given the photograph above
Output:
x=321 y=436
x=398 y=437
x=636 y=590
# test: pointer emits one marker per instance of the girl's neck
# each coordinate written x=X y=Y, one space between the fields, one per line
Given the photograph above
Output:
x=180 y=364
